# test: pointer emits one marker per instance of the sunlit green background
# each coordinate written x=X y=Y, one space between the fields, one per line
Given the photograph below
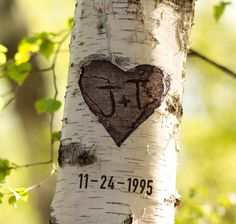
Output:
x=206 y=165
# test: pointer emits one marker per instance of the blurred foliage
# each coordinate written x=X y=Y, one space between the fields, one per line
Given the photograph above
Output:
x=38 y=43
x=47 y=105
x=198 y=209
x=18 y=194
x=47 y=43
x=219 y=9
x=13 y=194
x=5 y=169
x=206 y=176
x=56 y=135
x=17 y=70
x=43 y=44
x=3 y=57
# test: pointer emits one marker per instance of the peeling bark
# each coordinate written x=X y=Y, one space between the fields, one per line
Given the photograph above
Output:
x=132 y=181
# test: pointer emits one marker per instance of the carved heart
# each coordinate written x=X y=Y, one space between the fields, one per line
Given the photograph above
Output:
x=122 y=100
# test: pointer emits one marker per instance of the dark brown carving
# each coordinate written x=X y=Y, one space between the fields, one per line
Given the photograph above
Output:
x=122 y=100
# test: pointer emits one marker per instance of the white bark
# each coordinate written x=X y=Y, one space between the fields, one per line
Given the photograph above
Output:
x=127 y=33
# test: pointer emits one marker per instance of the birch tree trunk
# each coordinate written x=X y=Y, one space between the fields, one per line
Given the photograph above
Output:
x=118 y=147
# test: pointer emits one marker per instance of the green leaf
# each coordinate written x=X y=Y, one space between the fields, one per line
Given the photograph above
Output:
x=70 y=22
x=3 y=49
x=27 y=46
x=3 y=58
x=5 y=169
x=1 y=197
x=12 y=200
x=18 y=194
x=23 y=194
x=47 y=48
x=47 y=105
x=38 y=43
x=22 y=57
x=56 y=135
x=17 y=73
x=47 y=45
x=219 y=9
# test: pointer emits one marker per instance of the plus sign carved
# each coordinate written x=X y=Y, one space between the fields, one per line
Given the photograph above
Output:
x=122 y=100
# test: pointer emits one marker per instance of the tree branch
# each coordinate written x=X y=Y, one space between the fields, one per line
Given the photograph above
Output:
x=210 y=61
x=53 y=171
x=11 y=99
x=44 y=69
x=33 y=164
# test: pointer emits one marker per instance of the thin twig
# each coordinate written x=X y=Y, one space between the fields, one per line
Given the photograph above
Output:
x=11 y=99
x=53 y=114
x=8 y=102
x=51 y=139
x=63 y=31
x=51 y=161
x=44 y=69
x=55 y=92
x=56 y=53
x=33 y=164
x=210 y=61
x=42 y=182
x=52 y=67
x=59 y=47
x=8 y=92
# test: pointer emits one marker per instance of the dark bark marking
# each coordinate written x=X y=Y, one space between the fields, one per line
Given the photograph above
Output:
x=76 y=154
x=100 y=26
x=137 y=2
x=81 y=43
x=53 y=219
x=65 y=120
x=173 y=200
x=174 y=106
x=177 y=202
x=129 y=219
x=169 y=201
x=122 y=100
x=186 y=5
x=177 y=2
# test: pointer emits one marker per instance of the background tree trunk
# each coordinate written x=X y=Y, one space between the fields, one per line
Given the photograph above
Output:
x=101 y=181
